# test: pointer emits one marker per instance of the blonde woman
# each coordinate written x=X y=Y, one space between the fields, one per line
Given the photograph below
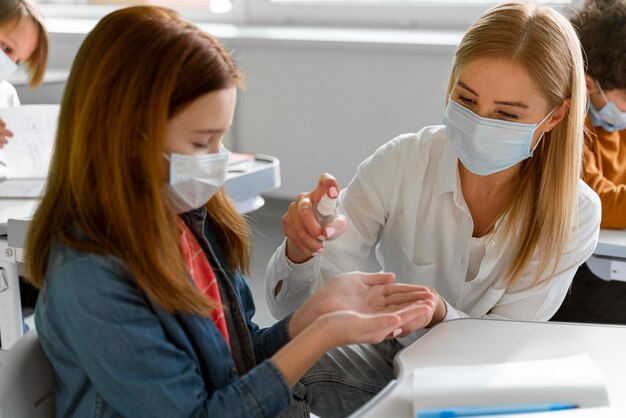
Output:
x=23 y=38
x=487 y=209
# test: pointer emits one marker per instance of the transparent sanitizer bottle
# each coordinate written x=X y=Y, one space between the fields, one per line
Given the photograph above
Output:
x=326 y=210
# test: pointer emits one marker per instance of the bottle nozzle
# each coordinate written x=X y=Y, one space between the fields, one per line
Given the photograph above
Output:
x=327 y=205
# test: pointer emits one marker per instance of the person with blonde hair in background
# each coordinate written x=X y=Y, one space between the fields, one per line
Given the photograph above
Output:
x=140 y=255
x=487 y=209
x=23 y=38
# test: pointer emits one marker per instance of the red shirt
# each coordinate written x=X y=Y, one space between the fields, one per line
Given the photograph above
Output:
x=200 y=269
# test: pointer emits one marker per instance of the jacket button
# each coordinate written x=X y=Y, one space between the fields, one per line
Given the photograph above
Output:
x=232 y=372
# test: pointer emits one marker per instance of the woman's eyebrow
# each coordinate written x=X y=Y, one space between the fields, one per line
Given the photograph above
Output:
x=466 y=87
x=505 y=103
x=516 y=104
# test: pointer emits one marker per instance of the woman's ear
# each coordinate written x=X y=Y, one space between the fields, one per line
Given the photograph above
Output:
x=558 y=115
x=590 y=82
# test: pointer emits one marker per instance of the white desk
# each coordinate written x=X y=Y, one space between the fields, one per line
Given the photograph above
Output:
x=609 y=258
x=476 y=341
x=244 y=183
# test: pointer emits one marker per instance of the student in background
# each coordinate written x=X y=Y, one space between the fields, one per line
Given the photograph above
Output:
x=601 y=26
x=487 y=209
x=23 y=38
x=139 y=254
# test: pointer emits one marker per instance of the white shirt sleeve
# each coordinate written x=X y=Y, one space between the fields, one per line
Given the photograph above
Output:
x=363 y=207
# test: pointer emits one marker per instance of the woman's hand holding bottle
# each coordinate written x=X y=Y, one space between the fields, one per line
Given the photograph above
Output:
x=307 y=226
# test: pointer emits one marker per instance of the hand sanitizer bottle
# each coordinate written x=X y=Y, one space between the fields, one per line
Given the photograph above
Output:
x=326 y=210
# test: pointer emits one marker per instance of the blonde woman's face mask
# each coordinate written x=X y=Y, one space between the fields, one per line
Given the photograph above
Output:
x=501 y=100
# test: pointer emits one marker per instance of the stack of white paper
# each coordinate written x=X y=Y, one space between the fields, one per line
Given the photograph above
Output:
x=27 y=155
x=571 y=380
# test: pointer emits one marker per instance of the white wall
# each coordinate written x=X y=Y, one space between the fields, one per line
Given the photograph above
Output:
x=317 y=104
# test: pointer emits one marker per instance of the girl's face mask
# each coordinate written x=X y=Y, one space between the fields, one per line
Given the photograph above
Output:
x=194 y=179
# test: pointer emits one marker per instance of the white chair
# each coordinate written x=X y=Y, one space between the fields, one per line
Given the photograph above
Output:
x=26 y=380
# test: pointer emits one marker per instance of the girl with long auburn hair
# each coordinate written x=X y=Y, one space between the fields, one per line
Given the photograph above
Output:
x=139 y=254
x=488 y=208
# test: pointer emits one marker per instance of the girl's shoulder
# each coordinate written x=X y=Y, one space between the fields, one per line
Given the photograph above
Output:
x=82 y=271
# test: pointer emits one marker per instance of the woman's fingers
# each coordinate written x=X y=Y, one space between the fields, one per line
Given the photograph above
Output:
x=5 y=134
x=326 y=185
x=375 y=328
x=297 y=232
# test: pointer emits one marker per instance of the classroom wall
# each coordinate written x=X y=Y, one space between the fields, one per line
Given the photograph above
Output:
x=319 y=105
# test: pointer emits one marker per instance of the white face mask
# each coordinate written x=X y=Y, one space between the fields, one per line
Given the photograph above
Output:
x=194 y=179
x=486 y=146
x=7 y=66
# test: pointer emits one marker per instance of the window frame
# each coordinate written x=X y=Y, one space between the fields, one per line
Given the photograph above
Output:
x=429 y=14
x=238 y=15
x=448 y=15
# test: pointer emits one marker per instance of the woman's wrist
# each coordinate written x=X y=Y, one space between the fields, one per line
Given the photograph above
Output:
x=441 y=311
x=294 y=254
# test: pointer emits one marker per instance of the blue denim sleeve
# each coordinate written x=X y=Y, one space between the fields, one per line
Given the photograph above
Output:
x=120 y=343
x=266 y=341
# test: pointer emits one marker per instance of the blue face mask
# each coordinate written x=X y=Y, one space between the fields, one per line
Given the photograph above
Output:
x=609 y=118
x=486 y=146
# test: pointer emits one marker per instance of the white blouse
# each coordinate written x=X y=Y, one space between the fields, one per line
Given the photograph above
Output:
x=8 y=95
x=406 y=202
x=8 y=98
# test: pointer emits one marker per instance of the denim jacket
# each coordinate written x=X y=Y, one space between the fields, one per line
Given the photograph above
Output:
x=116 y=353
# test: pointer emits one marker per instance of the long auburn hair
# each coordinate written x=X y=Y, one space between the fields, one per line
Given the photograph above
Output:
x=544 y=209
x=135 y=70
x=11 y=12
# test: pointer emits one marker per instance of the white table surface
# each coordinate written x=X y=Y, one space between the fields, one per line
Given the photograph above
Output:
x=612 y=243
x=479 y=341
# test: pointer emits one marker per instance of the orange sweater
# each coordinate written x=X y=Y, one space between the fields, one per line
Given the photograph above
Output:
x=605 y=171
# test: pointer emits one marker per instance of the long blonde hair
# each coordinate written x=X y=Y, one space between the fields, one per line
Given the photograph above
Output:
x=544 y=208
x=134 y=71
x=13 y=11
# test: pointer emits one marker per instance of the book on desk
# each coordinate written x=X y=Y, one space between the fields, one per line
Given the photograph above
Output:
x=28 y=153
x=509 y=389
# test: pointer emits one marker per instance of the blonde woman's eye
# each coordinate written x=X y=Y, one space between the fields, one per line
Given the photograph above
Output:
x=466 y=100
x=507 y=115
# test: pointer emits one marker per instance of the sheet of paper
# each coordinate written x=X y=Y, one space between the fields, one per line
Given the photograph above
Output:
x=27 y=155
x=21 y=188
x=573 y=380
